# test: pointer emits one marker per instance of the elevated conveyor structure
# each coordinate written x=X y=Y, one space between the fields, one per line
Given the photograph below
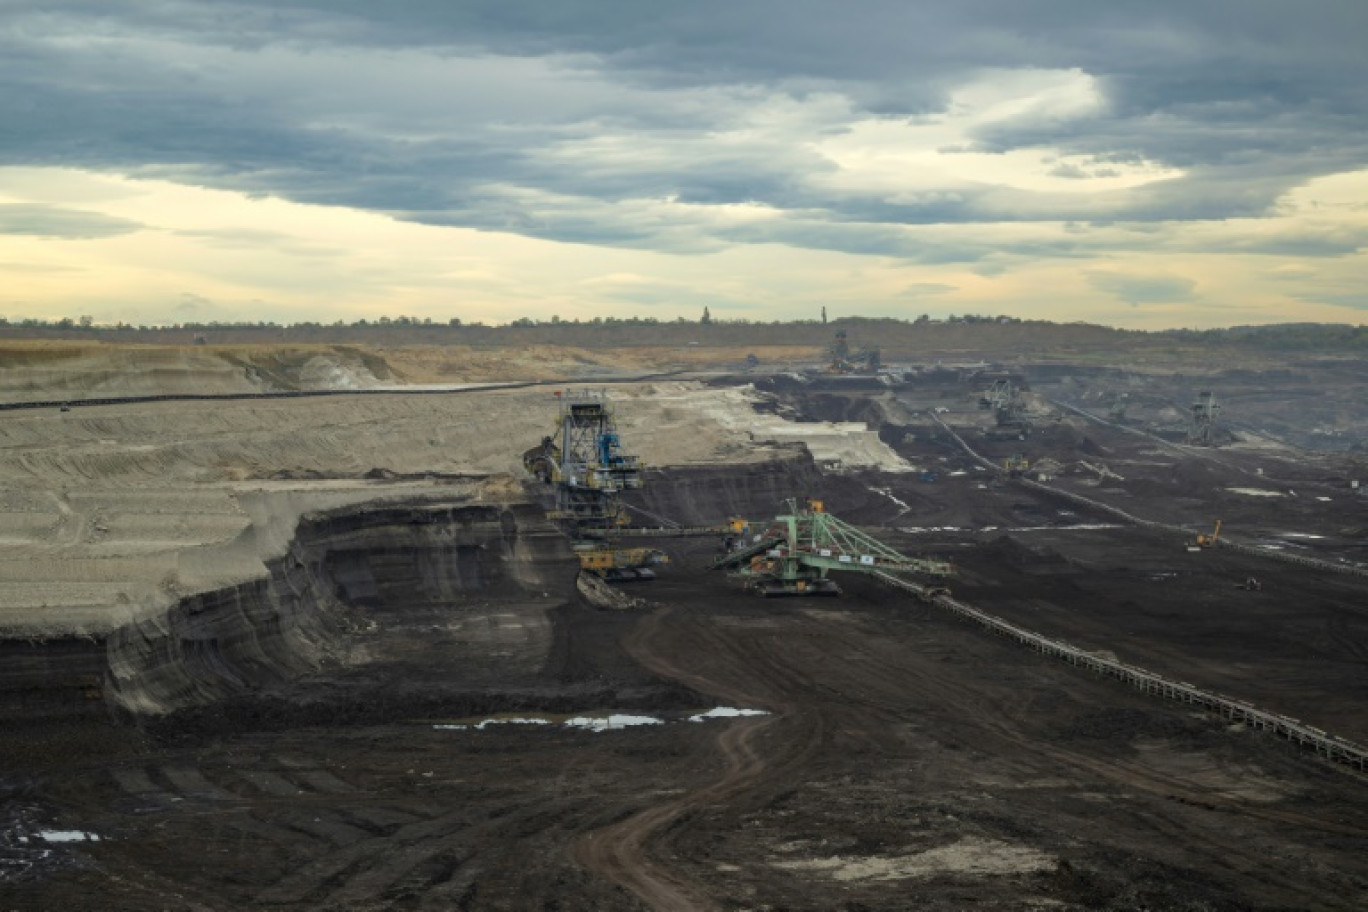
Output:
x=1331 y=747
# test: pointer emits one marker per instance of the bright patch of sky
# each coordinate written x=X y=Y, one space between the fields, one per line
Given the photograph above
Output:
x=177 y=161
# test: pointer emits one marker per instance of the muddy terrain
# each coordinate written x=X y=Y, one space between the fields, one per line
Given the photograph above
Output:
x=411 y=706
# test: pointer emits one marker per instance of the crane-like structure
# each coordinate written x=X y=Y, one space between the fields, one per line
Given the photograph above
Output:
x=845 y=361
x=1003 y=397
x=1202 y=422
x=586 y=463
x=793 y=555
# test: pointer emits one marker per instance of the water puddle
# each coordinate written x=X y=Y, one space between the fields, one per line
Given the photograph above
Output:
x=68 y=836
x=54 y=836
x=485 y=723
x=726 y=712
x=1073 y=527
x=611 y=723
x=595 y=722
x=1255 y=492
x=888 y=492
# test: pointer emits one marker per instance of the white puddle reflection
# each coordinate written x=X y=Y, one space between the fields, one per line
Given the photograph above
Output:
x=1255 y=492
x=1073 y=527
x=63 y=836
x=500 y=720
x=598 y=724
x=726 y=712
x=595 y=722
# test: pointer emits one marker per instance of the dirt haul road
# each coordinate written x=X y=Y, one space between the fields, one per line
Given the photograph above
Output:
x=617 y=852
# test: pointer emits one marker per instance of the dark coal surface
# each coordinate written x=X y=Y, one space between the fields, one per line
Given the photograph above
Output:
x=907 y=755
x=909 y=760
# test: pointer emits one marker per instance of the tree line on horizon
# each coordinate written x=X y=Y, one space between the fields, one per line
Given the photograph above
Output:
x=633 y=330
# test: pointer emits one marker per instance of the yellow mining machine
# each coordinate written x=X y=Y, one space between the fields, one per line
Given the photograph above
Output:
x=793 y=555
x=844 y=361
x=585 y=463
x=1016 y=465
x=1202 y=542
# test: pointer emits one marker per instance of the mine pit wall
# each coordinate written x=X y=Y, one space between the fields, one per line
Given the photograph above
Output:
x=341 y=571
x=53 y=677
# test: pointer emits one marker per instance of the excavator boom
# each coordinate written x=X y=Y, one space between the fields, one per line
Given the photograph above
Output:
x=793 y=555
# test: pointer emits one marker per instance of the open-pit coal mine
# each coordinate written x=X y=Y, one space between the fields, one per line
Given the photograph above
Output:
x=331 y=654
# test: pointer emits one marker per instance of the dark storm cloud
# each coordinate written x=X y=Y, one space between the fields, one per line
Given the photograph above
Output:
x=564 y=118
x=58 y=222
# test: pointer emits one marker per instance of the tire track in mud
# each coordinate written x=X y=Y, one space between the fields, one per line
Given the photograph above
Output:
x=356 y=851
x=620 y=852
x=617 y=852
x=1345 y=632
x=885 y=672
x=363 y=871
x=826 y=674
x=874 y=663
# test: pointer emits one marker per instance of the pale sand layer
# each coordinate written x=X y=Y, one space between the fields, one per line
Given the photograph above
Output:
x=111 y=512
x=52 y=371
x=972 y=857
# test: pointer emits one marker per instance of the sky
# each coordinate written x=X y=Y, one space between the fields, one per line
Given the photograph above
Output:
x=1155 y=164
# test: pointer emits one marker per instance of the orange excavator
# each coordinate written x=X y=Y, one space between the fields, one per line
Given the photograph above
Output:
x=1202 y=542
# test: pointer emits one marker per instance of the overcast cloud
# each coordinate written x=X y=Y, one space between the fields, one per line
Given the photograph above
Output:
x=991 y=136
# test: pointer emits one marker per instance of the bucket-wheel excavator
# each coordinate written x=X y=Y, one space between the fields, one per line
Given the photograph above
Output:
x=585 y=463
x=1004 y=399
x=793 y=555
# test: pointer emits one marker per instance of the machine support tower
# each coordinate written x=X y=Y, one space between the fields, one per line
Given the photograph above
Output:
x=585 y=462
x=1205 y=408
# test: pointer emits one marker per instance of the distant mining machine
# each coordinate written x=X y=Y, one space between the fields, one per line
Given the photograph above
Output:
x=793 y=555
x=1203 y=542
x=1003 y=398
x=1202 y=419
x=1016 y=465
x=844 y=361
x=585 y=463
